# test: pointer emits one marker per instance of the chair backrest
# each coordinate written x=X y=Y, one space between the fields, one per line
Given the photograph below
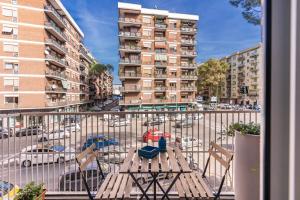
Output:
x=83 y=160
x=223 y=156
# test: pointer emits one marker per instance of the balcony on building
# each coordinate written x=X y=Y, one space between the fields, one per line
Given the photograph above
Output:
x=128 y=35
x=55 y=74
x=84 y=54
x=160 y=24
x=55 y=88
x=131 y=88
x=129 y=62
x=55 y=31
x=129 y=21
x=188 y=76
x=56 y=103
x=187 y=65
x=130 y=75
x=188 y=53
x=160 y=64
x=160 y=88
x=52 y=59
x=185 y=88
x=188 y=42
x=55 y=16
x=160 y=74
x=56 y=46
x=130 y=48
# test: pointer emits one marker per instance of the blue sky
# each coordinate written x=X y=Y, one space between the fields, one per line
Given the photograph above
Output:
x=222 y=29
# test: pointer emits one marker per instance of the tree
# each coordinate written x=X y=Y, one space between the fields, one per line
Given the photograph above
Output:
x=251 y=10
x=96 y=71
x=210 y=76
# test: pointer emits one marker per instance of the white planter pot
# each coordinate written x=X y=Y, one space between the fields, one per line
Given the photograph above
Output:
x=246 y=166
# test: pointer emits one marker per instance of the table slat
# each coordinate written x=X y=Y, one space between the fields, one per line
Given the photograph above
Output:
x=198 y=185
x=181 y=159
x=173 y=161
x=122 y=187
x=127 y=162
x=164 y=162
x=116 y=186
x=103 y=186
x=110 y=186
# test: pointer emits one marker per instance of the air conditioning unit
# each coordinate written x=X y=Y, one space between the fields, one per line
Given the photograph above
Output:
x=14 y=2
x=14 y=19
x=15 y=37
x=15 y=54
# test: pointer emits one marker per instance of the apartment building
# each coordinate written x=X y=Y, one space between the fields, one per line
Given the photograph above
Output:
x=244 y=71
x=43 y=63
x=157 y=58
x=101 y=87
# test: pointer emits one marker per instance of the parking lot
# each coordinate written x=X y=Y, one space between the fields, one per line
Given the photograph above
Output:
x=204 y=128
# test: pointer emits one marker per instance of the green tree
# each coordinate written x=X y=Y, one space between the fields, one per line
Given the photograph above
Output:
x=210 y=76
x=251 y=10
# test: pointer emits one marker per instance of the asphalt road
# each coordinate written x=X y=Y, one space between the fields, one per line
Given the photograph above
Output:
x=204 y=130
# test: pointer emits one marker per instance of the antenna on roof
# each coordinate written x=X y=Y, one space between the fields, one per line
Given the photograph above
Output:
x=155 y=6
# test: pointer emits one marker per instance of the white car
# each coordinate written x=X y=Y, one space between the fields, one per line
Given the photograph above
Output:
x=188 y=142
x=195 y=116
x=119 y=122
x=44 y=154
x=54 y=135
x=72 y=128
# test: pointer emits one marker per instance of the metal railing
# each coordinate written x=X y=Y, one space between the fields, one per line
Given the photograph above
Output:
x=54 y=139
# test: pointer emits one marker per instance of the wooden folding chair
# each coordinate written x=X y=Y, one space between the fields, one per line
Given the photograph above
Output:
x=224 y=157
x=83 y=160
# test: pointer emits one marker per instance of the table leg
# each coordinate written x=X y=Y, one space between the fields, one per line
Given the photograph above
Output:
x=140 y=187
x=155 y=182
x=171 y=185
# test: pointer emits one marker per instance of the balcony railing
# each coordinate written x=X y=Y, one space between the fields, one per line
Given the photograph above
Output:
x=56 y=104
x=84 y=54
x=57 y=168
x=157 y=38
x=128 y=35
x=158 y=75
x=189 y=76
x=129 y=62
x=188 y=30
x=190 y=42
x=188 y=65
x=55 y=89
x=130 y=48
x=188 y=53
x=130 y=21
x=131 y=88
x=160 y=25
x=56 y=31
x=55 y=74
x=130 y=75
x=187 y=88
x=56 y=61
x=160 y=88
x=55 y=16
x=56 y=46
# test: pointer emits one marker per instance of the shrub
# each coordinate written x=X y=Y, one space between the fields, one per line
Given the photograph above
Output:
x=250 y=129
x=30 y=192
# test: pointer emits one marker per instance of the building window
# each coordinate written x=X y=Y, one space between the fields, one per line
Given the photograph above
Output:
x=147 y=32
x=9 y=12
x=9 y=30
x=10 y=47
x=11 y=82
x=11 y=99
x=172 y=60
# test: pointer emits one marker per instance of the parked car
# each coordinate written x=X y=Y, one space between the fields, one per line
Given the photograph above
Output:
x=71 y=179
x=70 y=119
x=31 y=130
x=119 y=122
x=178 y=117
x=153 y=121
x=8 y=190
x=100 y=141
x=72 y=128
x=112 y=154
x=5 y=133
x=54 y=135
x=41 y=154
x=154 y=135
x=184 y=123
x=95 y=109
x=195 y=116
x=188 y=142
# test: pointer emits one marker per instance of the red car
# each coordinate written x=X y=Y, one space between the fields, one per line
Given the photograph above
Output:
x=154 y=135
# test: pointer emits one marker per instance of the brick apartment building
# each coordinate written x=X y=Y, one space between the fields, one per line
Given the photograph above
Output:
x=157 y=58
x=43 y=63
x=101 y=87
x=244 y=70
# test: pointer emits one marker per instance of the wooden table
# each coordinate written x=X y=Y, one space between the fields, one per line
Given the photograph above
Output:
x=170 y=162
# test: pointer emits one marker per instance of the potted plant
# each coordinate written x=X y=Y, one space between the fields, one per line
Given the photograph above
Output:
x=31 y=191
x=246 y=160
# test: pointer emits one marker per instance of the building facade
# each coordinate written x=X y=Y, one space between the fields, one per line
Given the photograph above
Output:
x=157 y=58
x=43 y=63
x=101 y=87
x=245 y=70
